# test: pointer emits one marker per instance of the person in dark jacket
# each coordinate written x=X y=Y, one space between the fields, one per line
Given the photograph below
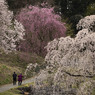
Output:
x=20 y=79
x=14 y=78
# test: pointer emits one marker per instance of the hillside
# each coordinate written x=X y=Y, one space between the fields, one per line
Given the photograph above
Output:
x=18 y=62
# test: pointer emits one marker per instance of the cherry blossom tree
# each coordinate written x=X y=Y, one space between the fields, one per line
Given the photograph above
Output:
x=42 y=25
x=11 y=31
x=87 y=23
x=73 y=56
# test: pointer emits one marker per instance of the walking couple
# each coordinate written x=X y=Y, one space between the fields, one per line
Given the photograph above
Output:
x=15 y=79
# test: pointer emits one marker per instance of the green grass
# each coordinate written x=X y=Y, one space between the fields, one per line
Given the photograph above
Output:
x=11 y=92
x=15 y=91
x=15 y=62
x=6 y=73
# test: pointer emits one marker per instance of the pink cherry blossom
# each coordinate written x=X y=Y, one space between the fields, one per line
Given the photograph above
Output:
x=42 y=25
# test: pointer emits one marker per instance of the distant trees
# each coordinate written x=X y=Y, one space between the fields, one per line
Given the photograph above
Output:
x=90 y=9
x=11 y=31
x=15 y=5
x=42 y=25
x=73 y=7
x=67 y=8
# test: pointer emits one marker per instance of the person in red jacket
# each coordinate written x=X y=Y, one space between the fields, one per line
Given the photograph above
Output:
x=20 y=79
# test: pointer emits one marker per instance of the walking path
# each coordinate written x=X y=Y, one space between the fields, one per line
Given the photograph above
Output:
x=41 y=76
x=9 y=86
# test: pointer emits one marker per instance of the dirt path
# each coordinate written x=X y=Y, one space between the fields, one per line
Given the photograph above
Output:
x=9 y=86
